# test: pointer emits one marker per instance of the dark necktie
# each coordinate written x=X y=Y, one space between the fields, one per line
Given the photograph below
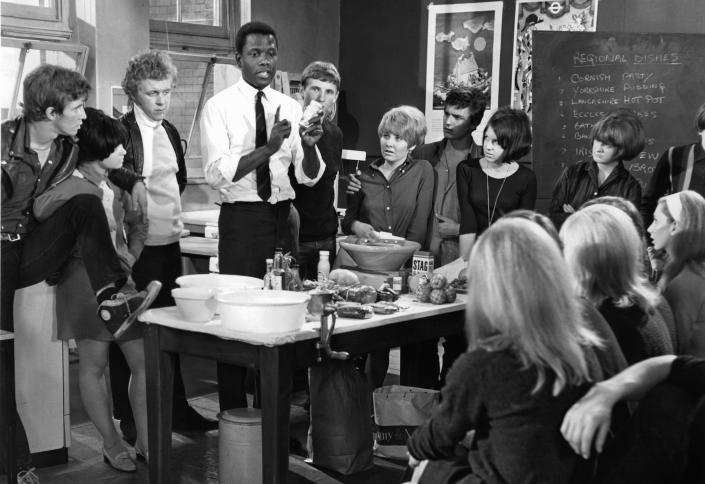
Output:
x=264 y=185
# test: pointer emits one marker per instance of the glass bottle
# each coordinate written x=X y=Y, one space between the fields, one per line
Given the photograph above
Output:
x=323 y=266
x=278 y=270
x=268 y=275
x=294 y=283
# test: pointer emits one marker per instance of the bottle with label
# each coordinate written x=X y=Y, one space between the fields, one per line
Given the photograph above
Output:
x=278 y=270
x=268 y=275
x=294 y=281
x=323 y=266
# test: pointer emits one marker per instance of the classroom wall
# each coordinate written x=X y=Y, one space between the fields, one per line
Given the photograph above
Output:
x=308 y=30
x=383 y=52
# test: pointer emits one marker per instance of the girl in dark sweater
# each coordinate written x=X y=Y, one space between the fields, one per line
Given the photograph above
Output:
x=530 y=357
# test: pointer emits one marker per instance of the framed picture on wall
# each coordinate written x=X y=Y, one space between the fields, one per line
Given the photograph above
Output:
x=463 y=50
x=557 y=15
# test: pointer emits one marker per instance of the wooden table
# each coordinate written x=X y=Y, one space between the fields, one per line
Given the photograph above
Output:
x=277 y=356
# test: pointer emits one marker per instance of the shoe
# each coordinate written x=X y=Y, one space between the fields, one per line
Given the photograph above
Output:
x=121 y=462
x=121 y=310
x=141 y=455
x=194 y=422
x=27 y=476
x=129 y=432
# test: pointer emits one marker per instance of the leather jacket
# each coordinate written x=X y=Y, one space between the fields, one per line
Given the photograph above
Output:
x=134 y=158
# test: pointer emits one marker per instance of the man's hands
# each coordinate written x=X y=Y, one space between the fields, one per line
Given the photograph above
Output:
x=280 y=131
x=588 y=421
x=139 y=199
x=311 y=133
x=568 y=208
x=447 y=227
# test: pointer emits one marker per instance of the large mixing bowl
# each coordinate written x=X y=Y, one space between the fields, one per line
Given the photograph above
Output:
x=379 y=256
x=263 y=311
x=219 y=282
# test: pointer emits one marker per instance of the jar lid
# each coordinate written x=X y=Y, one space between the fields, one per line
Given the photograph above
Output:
x=242 y=416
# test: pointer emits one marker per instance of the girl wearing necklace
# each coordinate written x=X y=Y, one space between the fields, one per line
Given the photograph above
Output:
x=495 y=184
x=617 y=137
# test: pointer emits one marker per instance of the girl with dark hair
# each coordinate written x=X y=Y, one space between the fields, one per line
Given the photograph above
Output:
x=495 y=184
x=101 y=140
x=617 y=137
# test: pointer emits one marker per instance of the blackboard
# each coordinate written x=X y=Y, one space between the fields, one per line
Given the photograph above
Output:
x=580 y=76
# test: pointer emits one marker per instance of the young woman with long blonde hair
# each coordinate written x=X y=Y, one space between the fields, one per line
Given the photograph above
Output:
x=679 y=229
x=530 y=356
x=603 y=250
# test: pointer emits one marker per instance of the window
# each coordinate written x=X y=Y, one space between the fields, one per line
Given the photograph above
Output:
x=196 y=25
x=40 y=19
x=20 y=56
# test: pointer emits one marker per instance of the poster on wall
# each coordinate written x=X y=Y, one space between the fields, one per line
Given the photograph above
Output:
x=463 y=50
x=558 y=15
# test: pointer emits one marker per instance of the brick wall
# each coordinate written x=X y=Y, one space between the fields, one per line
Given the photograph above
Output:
x=184 y=101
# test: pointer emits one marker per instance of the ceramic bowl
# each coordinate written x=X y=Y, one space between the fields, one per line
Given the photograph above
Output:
x=262 y=311
x=379 y=257
x=219 y=282
x=196 y=304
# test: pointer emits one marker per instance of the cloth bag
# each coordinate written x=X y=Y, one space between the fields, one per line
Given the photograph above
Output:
x=398 y=411
x=340 y=436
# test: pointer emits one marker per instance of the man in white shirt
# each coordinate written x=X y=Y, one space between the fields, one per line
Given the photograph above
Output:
x=251 y=136
x=154 y=150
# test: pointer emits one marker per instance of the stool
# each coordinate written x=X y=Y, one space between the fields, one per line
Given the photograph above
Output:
x=240 y=446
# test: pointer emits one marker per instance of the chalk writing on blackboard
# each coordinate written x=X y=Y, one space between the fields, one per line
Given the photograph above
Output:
x=579 y=77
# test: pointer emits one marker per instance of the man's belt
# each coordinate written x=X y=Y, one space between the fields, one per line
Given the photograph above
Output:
x=10 y=237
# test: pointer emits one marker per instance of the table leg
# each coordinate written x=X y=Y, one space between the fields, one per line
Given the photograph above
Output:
x=160 y=389
x=276 y=377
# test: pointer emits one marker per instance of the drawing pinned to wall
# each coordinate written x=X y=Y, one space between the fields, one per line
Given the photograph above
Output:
x=559 y=15
x=463 y=50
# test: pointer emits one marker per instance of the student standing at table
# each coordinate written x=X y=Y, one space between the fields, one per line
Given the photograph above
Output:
x=397 y=197
x=616 y=138
x=679 y=168
x=315 y=204
x=251 y=136
x=154 y=150
x=495 y=184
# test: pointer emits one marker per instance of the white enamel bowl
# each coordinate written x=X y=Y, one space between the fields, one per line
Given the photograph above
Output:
x=196 y=304
x=262 y=311
x=221 y=282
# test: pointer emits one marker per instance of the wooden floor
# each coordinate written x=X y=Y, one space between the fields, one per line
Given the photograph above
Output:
x=194 y=457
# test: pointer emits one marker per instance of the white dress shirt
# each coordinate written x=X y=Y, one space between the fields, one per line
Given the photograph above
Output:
x=228 y=134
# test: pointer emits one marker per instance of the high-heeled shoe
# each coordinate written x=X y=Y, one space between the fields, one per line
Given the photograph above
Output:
x=121 y=462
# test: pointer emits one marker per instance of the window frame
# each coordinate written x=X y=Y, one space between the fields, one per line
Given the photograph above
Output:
x=49 y=23
x=180 y=36
x=26 y=45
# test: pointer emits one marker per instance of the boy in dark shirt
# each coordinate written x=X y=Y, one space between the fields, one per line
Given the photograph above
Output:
x=315 y=205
